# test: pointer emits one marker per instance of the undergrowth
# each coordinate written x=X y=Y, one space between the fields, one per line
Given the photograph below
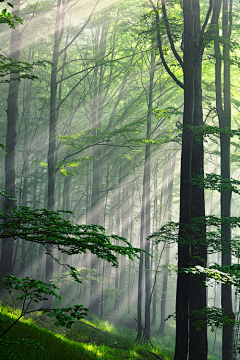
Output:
x=89 y=339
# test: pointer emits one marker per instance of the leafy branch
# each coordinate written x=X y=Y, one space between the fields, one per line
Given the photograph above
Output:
x=35 y=291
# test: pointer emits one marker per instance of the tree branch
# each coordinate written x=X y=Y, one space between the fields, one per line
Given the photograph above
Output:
x=165 y=18
x=178 y=82
x=80 y=31
x=212 y=28
x=201 y=46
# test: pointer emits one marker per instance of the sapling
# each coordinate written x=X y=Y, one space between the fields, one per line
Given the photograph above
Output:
x=35 y=291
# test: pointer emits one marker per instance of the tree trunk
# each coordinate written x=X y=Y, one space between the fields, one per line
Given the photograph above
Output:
x=140 y=270
x=155 y=259
x=147 y=177
x=198 y=346
x=167 y=247
x=116 y=300
x=25 y=171
x=125 y=233
x=224 y=116
x=181 y=348
x=6 y=265
x=52 y=145
x=95 y=218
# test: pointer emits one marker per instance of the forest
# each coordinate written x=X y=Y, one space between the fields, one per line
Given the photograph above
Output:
x=119 y=185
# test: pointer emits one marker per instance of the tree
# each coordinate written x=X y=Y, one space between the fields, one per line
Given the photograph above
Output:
x=223 y=107
x=6 y=263
x=58 y=33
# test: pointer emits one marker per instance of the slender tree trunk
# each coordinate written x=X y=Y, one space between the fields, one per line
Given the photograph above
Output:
x=95 y=216
x=147 y=184
x=155 y=259
x=66 y=195
x=125 y=233
x=35 y=203
x=140 y=270
x=52 y=144
x=167 y=247
x=86 y=257
x=116 y=300
x=25 y=172
x=6 y=265
x=224 y=116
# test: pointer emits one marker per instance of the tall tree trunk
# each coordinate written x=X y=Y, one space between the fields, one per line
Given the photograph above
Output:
x=95 y=218
x=125 y=233
x=155 y=259
x=224 y=116
x=25 y=171
x=167 y=247
x=181 y=348
x=6 y=265
x=145 y=224
x=66 y=195
x=35 y=203
x=52 y=144
x=198 y=346
x=147 y=184
x=140 y=270
x=116 y=300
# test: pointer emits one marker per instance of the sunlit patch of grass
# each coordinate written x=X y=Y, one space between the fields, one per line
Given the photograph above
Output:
x=53 y=346
x=95 y=349
x=106 y=326
x=95 y=339
x=101 y=340
x=103 y=325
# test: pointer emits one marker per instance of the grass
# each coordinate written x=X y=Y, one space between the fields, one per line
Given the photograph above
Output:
x=89 y=339
x=86 y=340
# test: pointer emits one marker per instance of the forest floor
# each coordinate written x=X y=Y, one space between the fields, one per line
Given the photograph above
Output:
x=95 y=339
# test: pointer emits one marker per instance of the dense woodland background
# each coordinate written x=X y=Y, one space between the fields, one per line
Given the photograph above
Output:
x=135 y=101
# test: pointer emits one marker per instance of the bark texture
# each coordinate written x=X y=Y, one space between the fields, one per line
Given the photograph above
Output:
x=181 y=347
x=6 y=265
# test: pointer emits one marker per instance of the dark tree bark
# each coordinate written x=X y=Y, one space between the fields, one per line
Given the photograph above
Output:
x=181 y=347
x=6 y=265
x=223 y=103
x=198 y=346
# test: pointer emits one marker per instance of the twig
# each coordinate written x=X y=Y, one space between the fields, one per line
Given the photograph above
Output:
x=144 y=332
x=157 y=356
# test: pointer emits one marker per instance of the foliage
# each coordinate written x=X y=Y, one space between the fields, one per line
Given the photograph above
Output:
x=35 y=291
x=216 y=182
x=222 y=274
x=20 y=69
x=48 y=227
x=7 y=17
x=192 y=233
x=86 y=340
x=211 y=316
